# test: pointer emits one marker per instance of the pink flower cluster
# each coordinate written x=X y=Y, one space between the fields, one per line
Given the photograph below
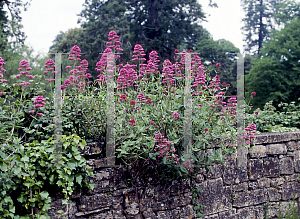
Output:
x=2 y=63
x=50 y=65
x=24 y=69
x=176 y=115
x=115 y=43
x=168 y=73
x=152 y=66
x=164 y=148
x=39 y=102
x=127 y=77
x=250 y=130
x=82 y=68
x=75 y=52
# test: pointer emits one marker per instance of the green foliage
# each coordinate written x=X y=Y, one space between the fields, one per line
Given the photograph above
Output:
x=29 y=174
x=271 y=120
x=223 y=52
x=287 y=11
x=259 y=21
x=276 y=75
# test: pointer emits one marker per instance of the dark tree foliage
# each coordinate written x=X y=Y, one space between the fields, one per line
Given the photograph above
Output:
x=223 y=52
x=286 y=11
x=161 y=25
x=259 y=21
x=276 y=76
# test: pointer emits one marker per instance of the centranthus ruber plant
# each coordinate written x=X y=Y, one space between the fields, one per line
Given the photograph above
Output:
x=149 y=112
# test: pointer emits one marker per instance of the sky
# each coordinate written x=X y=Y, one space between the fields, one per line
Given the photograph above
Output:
x=44 y=19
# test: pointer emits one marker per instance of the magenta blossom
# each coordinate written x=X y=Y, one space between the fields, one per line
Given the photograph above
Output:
x=31 y=111
x=176 y=115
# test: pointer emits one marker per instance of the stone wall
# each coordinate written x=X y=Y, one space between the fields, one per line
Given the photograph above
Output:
x=271 y=175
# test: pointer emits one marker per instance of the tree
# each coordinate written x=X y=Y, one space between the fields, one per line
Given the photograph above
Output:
x=286 y=11
x=223 y=52
x=66 y=40
x=162 y=26
x=276 y=76
x=12 y=27
x=260 y=20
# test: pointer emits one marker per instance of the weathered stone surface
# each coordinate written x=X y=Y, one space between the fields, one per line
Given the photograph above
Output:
x=253 y=185
x=289 y=189
x=68 y=210
x=186 y=212
x=255 y=167
x=111 y=214
x=215 y=197
x=264 y=138
x=248 y=198
x=105 y=179
x=271 y=167
x=234 y=174
x=286 y=166
x=258 y=151
x=293 y=177
x=273 y=208
x=97 y=201
x=263 y=182
x=240 y=187
x=228 y=214
x=149 y=214
x=96 y=163
x=293 y=145
x=277 y=182
x=214 y=216
x=251 y=212
x=296 y=155
x=272 y=179
x=217 y=172
x=273 y=194
x=92 y=148
x=276 y=149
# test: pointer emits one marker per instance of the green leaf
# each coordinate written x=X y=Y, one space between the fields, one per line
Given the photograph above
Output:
x=72 y=164
x=79 y=178
x=25 y=159
x=44 y=194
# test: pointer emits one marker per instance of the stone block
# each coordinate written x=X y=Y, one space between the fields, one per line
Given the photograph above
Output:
x=57 y=205
x=98 y=201
x=218 y=170
x=271 y=167
x=273 y=194
x=289 y=189
x=234 y=174
x=253 y=185
x=256 y=169
x=263 y=182
x=286 y=166
x=228 y=214
x=296 y=155
x=93 y=148
x=277 y=182
x=240 y=187
x=251 y=212
x=293 y=145
x=257 y=151
x=276 y=149
x=248 y=198
x=215 y=197
x=107 y=178
x=213 y=216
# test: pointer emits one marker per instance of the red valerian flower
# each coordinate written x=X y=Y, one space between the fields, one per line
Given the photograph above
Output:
x=218 y=65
